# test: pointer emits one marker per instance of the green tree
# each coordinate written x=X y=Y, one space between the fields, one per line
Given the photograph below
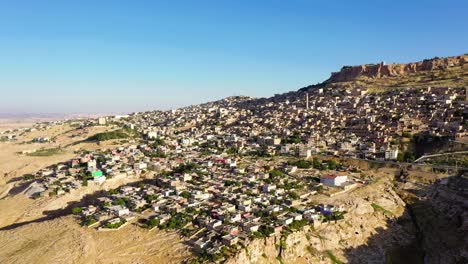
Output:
x=77 y=210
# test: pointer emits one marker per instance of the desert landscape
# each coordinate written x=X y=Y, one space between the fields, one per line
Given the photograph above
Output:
x=44 y=231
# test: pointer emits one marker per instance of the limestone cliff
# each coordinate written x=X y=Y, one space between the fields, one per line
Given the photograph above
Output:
x=441 y=216
x=342 y=240
x=429 y=226
x=349 y=73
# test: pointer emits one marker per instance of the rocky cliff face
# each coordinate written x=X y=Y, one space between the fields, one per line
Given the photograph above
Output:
x=380 y=227
x=441 y=216
x=343 y=240
x=349 y=73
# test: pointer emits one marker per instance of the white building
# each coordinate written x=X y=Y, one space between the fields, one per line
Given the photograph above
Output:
x=333 y=179
x=268 y=188
x=391 y=154
x=102 y=121
x=304 y=152
x=100 y=179
x=119 y=210
x=186 y=177
x=152 y=134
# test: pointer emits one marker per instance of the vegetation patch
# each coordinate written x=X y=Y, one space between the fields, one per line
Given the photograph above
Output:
x=77 y=210
x=115 y=225
x=28 y=177
x=88 y=221
x=280 y=259
x=117 y=134
x=44 y=152
x=379 y=208
x=333 y=258
x=151 y=223
x=335 y=216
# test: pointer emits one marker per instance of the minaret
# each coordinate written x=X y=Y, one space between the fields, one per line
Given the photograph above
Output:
x=307 y=100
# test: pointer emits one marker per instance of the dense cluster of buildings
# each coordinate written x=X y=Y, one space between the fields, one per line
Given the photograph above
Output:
x=88 y=169
x=215 y=204
x=342 y=122
x=214 y=177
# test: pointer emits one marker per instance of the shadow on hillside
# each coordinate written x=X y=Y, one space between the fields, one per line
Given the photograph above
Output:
x=432 y=229
x=67 y=210
x=52 y=214
x=19 y=188
x=15 y=179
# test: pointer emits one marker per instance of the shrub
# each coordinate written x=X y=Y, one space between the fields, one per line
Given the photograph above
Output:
x=275 y=173
x=77 y=210
x=381 y=209
x=333 y=258
x=152 y=223
x=28 y=177
x=89 y=220
x=116 y=225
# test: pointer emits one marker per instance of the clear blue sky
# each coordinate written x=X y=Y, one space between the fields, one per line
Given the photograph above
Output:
x=124 y=56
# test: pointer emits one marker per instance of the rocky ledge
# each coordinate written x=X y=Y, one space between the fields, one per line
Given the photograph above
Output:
x=350 y=73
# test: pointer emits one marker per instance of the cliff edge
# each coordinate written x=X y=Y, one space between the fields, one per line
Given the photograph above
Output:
x=350 y=73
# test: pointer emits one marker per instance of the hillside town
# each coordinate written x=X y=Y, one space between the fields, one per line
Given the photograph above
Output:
x=347 y=122
x=234 y=132
x=226 y=172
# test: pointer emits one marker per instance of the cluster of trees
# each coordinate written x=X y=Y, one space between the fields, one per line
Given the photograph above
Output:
x=275 y=173
x=263 y=231
x=260 y=153
x=301 y=164
x=153 y=222
x=117 y=134
x=121 y=201
x=84 y=176
x=185 y=194
x=157 y=142
x=186 y=167
x=335 y=216
x=232 y=151
x=316 y=163
x=150 y=197
x=228 y=183
x=207 y=148
x=152 y=154
x=294 y=139
x=28 y=177
x=116 y=225
x=298 y=224
x=406 y=157
x=451 y=161
x=177 y=221
x=88 y=220
x=113 y=191
x=293 y=195
x=290 y=185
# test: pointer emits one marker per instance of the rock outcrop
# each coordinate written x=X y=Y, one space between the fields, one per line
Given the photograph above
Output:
x=341 y=240
x=350 y=73
x=380 y=227
x=441 y=215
